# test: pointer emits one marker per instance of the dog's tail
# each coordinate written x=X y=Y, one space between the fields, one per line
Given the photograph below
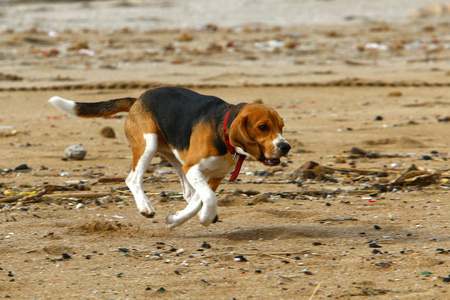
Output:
x=93 y=109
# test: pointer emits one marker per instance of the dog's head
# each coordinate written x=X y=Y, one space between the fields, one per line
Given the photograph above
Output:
x=257 y=131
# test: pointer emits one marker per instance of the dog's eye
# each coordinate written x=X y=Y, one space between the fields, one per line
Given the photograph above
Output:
x=263 y=127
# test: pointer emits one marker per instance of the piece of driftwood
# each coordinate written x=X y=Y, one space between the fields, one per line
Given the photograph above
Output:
x=354 y=170
x=12 y=199
x=111 y=179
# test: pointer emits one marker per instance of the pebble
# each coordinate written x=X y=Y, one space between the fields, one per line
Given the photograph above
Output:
x=22 y=167
x=378 y=118
x=164 y=172
x=240 y=258
x=76 y=152
x=444 y=118
x=395 y=94
x=374 y=245
x=383 y=264
x=108 y=132
x=206 y=245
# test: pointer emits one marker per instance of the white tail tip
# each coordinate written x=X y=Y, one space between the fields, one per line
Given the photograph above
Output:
x=64 y=105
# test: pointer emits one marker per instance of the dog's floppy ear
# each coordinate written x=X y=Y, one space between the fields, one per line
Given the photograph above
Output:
x=239 y=136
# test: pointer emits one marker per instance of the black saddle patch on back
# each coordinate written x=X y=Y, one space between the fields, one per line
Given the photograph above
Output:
x=178 y=110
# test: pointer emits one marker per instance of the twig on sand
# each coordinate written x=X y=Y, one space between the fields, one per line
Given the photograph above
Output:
x=315 y=291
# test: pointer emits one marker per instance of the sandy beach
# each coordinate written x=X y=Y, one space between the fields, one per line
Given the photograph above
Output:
x=359 y=209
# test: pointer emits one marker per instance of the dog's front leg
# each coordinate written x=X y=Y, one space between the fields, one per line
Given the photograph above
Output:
x=178 y=218
x=194 y=206
x=208 y=212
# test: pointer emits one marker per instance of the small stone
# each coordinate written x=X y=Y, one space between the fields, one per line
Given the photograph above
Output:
x=108 y=132
x=357 y=151
x=446 y=279
x=395 y=94
x=444 y=118
x=383 y=264
x=22 y=167
x=76 y=152
x=206 y=245
x=66 y=256
x=376 y=227
x=374 y=245
x=240 y=258
x=378 y=118
x=161 y=290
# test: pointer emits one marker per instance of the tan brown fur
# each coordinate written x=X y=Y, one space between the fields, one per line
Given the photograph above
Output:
x=138 y=123
x=201 y=146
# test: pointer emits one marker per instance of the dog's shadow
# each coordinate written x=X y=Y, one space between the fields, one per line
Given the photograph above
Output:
x=287 y=232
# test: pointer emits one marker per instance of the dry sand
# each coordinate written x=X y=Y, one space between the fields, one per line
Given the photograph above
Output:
x=363 y=230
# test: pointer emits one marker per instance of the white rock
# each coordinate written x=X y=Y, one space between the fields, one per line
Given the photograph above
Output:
x=76 y=152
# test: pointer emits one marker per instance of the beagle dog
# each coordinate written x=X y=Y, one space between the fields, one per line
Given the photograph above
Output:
x=197 y=134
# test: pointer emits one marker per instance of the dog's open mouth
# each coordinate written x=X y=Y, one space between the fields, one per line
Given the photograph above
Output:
x=270 y=161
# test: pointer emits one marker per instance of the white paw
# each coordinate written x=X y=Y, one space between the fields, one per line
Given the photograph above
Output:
x=171 y=222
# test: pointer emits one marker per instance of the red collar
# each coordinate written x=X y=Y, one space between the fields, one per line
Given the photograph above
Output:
x=231 y=149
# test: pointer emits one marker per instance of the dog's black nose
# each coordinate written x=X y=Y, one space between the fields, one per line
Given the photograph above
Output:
x=284 y=147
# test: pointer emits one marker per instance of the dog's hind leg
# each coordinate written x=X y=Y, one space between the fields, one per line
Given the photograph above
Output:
x=135 y=179
x=188 y=190
x=144 y=146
